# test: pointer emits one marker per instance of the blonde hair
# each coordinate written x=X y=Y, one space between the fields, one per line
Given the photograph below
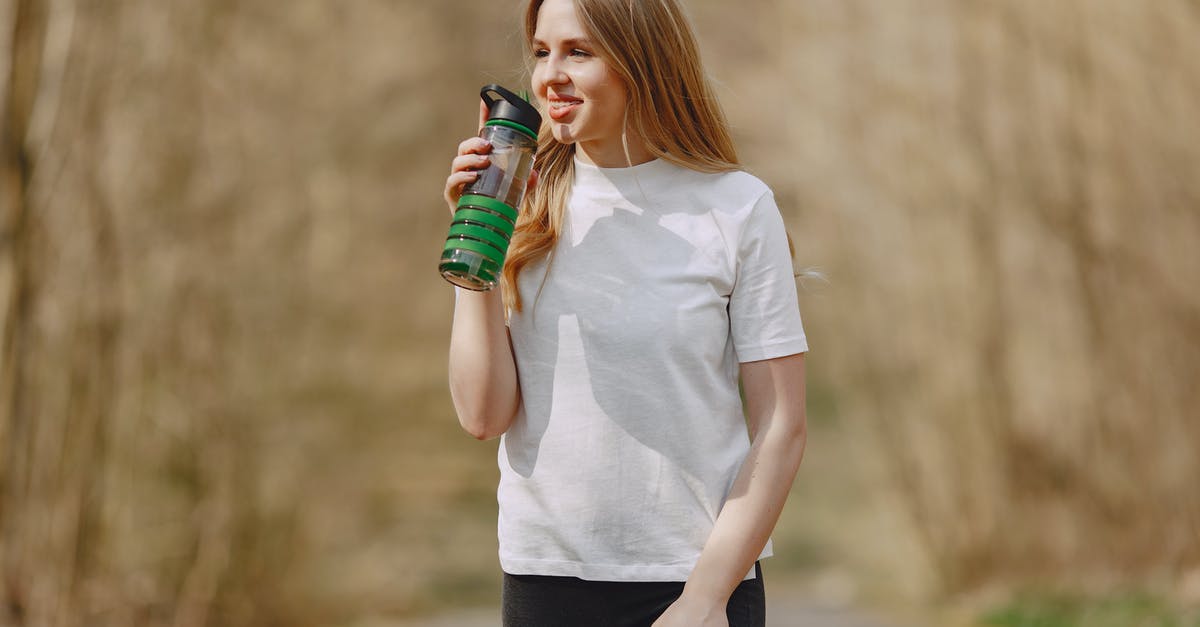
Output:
x=650 y=45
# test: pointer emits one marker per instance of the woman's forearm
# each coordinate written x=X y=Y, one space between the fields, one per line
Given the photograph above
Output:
x=775 y=404
x=750 y=513
x=483 y=374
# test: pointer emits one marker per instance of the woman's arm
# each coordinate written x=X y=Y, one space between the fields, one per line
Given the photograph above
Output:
x=483 y=373
x=774 y=390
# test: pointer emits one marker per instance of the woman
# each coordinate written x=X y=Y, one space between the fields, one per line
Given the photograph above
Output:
x=646 y=274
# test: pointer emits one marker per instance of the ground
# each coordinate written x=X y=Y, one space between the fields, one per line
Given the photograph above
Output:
x=780 y=613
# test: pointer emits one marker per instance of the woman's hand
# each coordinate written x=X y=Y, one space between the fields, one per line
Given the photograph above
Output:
x=471 y=159
x=687 y=613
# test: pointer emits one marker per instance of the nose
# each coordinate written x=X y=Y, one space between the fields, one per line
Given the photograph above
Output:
x=555 y=74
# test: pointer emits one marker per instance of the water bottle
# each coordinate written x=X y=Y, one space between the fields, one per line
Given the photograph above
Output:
x=487 y=212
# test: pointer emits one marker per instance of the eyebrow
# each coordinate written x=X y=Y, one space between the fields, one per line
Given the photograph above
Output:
x=572 y=41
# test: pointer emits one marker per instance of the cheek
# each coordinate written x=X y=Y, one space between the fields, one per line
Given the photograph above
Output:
x=613 y=100
x=611 y=91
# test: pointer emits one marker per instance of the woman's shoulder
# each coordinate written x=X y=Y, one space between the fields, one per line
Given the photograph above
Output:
x=745 y=182
x=733 y=178
x=732 y=190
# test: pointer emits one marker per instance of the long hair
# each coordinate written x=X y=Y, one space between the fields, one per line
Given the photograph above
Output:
x=650 y=45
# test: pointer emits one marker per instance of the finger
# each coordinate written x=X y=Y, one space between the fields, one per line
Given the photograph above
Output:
x=469 y=161
x=455 y=182
x=483 y=113
x=454 y=186
x=475 y=145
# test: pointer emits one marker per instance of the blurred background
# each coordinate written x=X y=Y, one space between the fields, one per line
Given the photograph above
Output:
x=222 y=378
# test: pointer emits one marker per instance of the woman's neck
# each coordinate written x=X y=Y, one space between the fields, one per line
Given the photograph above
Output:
x=611 y=154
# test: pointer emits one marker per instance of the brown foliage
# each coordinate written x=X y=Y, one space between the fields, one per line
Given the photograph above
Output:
x=1004 y=194
x=222 y=394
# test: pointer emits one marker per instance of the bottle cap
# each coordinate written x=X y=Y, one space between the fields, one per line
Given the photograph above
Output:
x=511 y=108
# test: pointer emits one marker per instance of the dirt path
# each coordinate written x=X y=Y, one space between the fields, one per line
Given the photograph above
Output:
x=779 y=614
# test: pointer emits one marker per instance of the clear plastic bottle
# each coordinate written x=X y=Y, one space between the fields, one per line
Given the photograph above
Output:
x=487 y=212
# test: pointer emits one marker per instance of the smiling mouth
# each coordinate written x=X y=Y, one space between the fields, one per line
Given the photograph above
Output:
x=562 y=108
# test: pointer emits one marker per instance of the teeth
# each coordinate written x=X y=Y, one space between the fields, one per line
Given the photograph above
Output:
x=558 y=104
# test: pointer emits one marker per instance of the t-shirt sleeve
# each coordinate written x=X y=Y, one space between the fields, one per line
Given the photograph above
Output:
x=764 y=313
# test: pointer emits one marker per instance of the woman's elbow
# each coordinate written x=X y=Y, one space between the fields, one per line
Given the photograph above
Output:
x=792 y=432
x=482 y=413
x=481 y=430
x=486 y=421
x=799 y=437
x=482 y=435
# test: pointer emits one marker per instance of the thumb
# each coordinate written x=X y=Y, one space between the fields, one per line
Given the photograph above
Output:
x=483 y=113
x=532 y=182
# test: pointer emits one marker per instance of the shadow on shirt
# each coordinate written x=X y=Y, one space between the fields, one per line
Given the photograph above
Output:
x=634 y=306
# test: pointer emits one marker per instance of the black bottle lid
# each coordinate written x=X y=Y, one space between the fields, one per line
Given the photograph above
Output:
x=511 y=108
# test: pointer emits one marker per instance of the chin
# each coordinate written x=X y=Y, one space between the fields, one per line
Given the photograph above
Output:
x=563 y=136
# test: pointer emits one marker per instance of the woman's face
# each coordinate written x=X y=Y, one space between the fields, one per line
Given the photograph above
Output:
x=583 y=97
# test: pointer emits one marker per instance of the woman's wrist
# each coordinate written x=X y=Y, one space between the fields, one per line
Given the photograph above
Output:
x=701 y=592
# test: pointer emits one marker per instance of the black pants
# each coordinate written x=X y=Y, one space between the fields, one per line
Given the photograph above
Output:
x=539 y=601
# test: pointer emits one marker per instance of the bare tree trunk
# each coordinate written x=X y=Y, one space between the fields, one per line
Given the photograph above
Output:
x=57 y=387
x=18 y=285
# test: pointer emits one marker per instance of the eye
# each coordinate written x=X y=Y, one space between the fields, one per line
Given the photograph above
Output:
x=576 y=52
x=541 y=52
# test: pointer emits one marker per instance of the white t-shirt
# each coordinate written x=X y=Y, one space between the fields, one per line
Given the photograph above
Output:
x=631 y=429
